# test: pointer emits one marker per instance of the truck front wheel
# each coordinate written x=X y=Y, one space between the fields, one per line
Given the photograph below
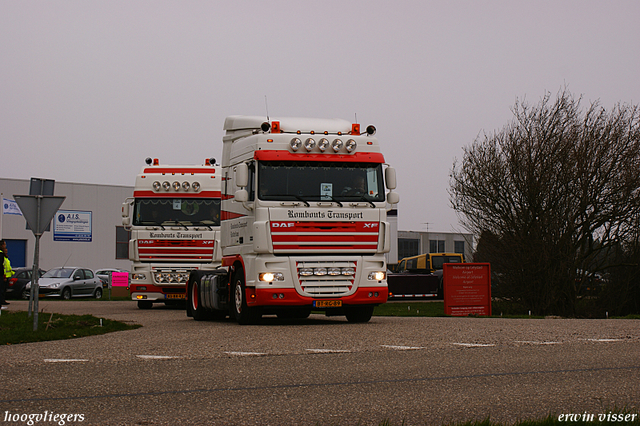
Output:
x=359 y=313
x=243 y=314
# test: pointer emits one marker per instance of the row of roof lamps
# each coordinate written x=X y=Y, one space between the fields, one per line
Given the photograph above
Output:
x=309 y=144
x=185 y=186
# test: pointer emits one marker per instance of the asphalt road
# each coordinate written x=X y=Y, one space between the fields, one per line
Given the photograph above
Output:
x=320 y=371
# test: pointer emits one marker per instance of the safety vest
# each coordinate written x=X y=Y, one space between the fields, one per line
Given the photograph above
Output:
x=8 y=272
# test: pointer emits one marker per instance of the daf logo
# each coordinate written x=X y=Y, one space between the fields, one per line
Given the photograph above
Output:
x=145 y=241
x=283 y=224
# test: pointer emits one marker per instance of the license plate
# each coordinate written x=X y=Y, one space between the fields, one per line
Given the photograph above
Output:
x=175 y=296
x=327 y=303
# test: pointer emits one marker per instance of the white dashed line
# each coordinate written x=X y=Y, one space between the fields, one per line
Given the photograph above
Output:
x=246 y=353
x=402 y=348
x=538 y=343
x=157 y=356
x=329 y=351
x=605 y=340
x=66 y=360
x=474 y=345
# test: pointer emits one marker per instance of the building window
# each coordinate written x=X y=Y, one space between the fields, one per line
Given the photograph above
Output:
x=122 y=242
x=458 y=247
x=436 y=246
x=408 y=247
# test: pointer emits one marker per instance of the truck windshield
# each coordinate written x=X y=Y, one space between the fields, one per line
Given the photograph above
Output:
x=320 y=181
x=176 y=211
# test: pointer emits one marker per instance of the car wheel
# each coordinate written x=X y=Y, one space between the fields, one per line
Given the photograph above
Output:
x=243 y=314
x=98 y=293
x=26 y=293
x=66 y=293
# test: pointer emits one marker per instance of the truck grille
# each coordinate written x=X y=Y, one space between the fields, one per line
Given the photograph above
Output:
x=175 y=250
x=326 y=278
x=309 y=237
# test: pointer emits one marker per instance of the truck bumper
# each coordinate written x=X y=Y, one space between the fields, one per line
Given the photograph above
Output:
x=290 y=297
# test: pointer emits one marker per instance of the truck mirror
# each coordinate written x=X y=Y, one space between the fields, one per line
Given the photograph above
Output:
x=393 y=198
x=242 y=175
x=390 y=177
x=241 y=196
x=126 y=219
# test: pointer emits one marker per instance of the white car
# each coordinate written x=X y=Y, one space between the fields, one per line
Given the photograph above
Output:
x=68 y=282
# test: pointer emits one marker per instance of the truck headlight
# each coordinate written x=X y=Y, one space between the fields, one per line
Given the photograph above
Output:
x=138 y=276
x=376 y=276
x=337 y=145
x=351 y=145
x=271 y=276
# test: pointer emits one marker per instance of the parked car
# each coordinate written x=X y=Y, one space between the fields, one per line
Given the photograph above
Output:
x=68 y=282
x=105 y=273
x=17 y=283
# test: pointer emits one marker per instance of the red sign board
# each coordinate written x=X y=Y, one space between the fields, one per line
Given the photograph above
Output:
x=467 y=289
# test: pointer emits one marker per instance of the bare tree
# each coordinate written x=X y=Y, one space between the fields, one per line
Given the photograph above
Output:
x=548 y=194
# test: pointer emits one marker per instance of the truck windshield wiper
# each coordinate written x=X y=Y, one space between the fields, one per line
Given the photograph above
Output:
x=303 y=200
x=363 y=198
x=336 y=200
x=177 y=222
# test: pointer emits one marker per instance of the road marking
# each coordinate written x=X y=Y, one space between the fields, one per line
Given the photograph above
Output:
x=605 y=340
x=537 y=343
x=329 y=351
x=473 y=345
x=157 y=356
x=65 y=360
x=402 y=348
x=246 y=353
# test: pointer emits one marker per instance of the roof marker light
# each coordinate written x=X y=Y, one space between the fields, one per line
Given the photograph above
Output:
x=156 y=162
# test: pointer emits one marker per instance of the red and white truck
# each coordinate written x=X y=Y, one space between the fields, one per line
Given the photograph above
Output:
x=303 y=222
x=174 y=219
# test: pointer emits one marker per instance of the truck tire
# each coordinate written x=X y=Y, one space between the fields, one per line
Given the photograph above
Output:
x=242 y=313
x=357 y=314
x=198 y=312
x=145 y=304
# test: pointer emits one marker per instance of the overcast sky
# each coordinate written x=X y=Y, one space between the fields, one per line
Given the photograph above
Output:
x=90 y=88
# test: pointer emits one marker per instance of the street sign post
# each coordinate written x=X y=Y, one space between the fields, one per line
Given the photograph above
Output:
x=38 y=210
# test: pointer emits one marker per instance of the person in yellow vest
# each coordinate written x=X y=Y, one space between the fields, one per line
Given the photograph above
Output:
x=8 y=272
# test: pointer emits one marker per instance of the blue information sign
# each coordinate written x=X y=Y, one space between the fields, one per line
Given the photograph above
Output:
x=72 y=225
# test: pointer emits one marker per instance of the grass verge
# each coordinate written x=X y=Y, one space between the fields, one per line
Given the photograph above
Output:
x=17 y=327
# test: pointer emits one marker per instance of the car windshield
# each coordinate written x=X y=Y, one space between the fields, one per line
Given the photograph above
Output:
x=58 y=273
x=320 y=181
x=177 y=211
